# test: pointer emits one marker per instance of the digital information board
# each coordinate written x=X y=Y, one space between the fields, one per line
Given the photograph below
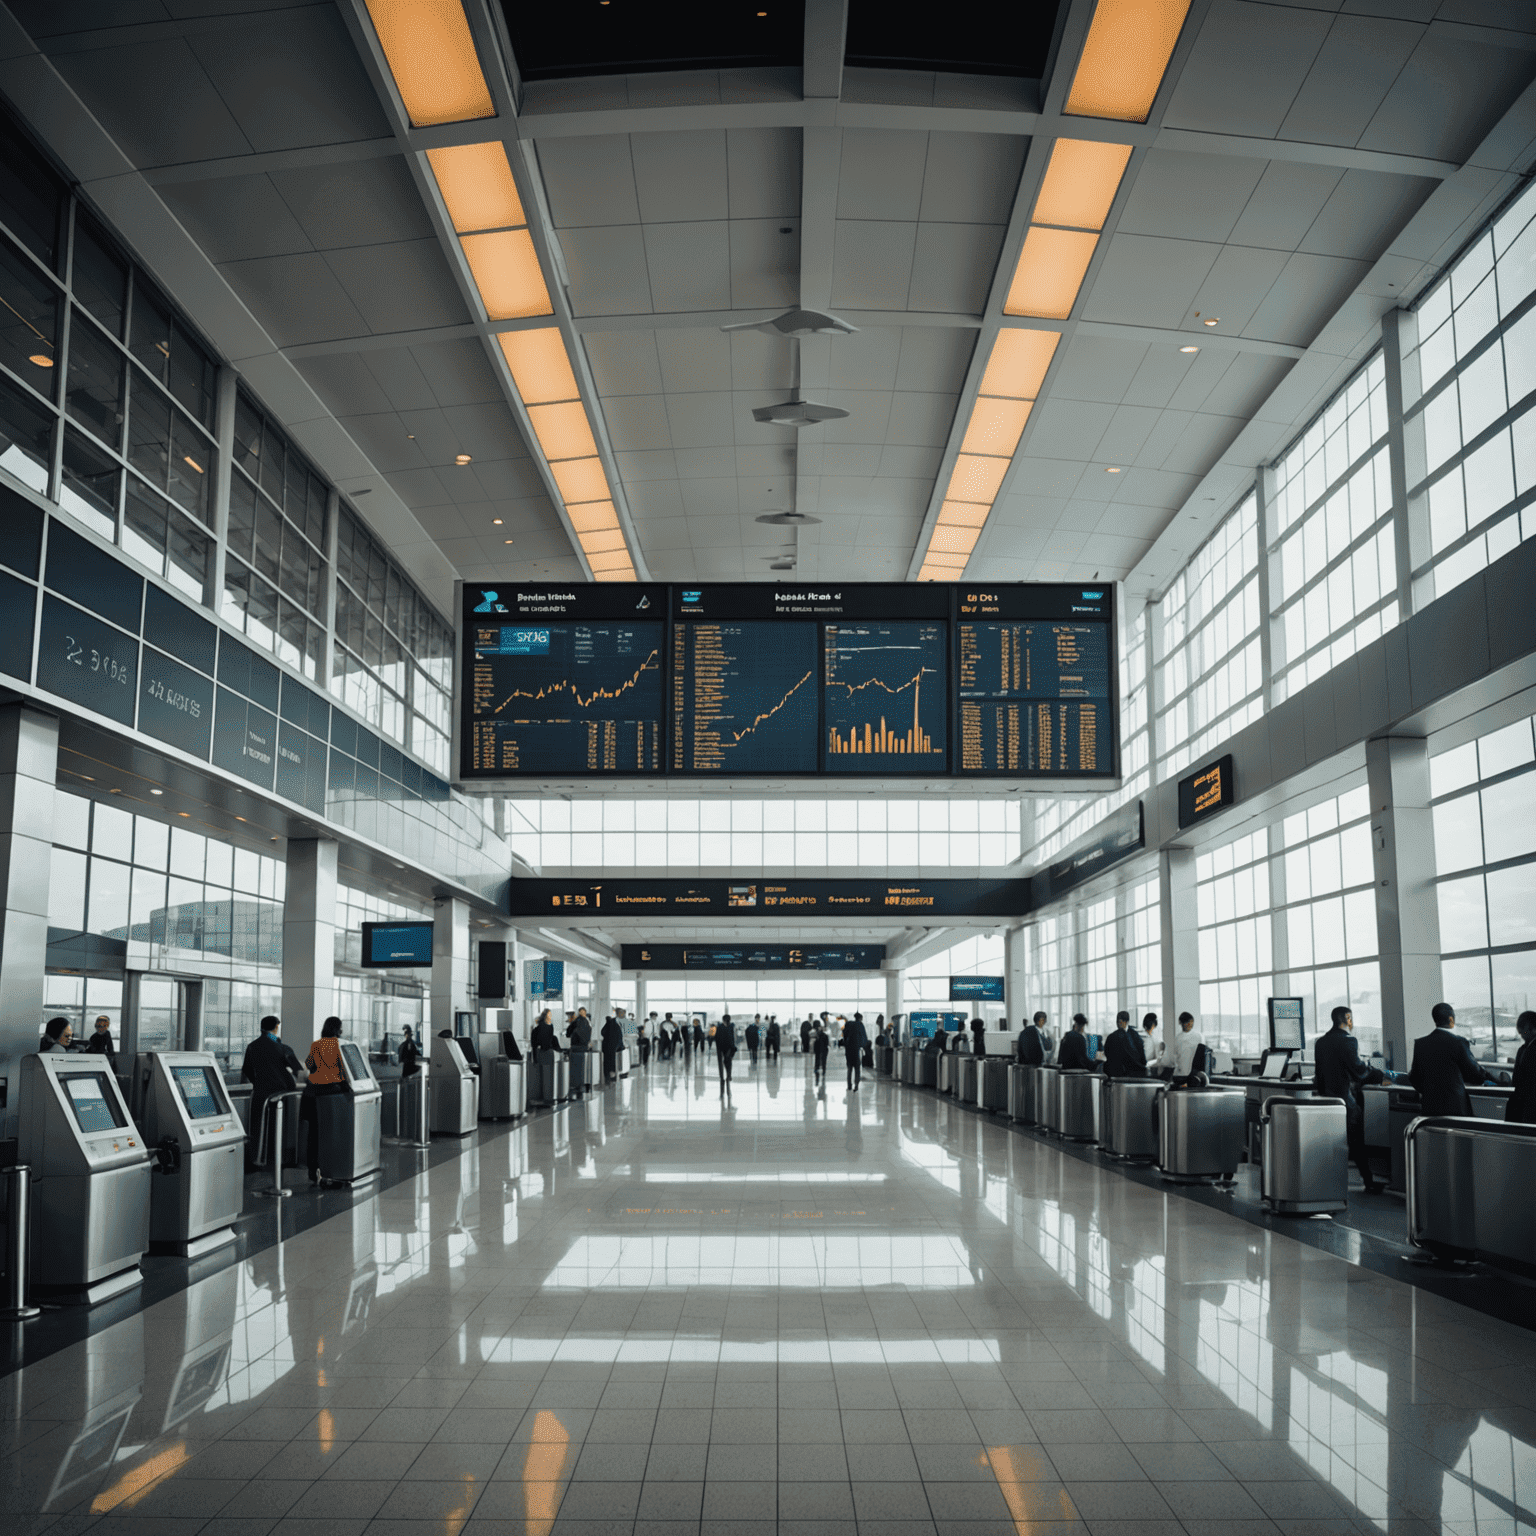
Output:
x=747 y=679
x=1204 y=793
x=759 y=957
x=771 y=897
x=982 y=989
x=389 y=945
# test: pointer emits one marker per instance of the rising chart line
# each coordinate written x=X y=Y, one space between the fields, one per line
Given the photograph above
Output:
x=582 y=703
x=769 y=714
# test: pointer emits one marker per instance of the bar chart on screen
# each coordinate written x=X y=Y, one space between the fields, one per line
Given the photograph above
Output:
x=885 y=694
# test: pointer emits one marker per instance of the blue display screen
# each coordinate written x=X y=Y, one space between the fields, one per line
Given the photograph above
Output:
x=986 y=989
x=397 y=944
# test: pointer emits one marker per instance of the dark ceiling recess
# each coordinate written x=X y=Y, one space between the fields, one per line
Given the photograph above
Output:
x=621 y=37
x=969 y=37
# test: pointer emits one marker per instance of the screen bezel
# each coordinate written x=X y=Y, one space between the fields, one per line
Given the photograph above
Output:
x=1299 y=1018
x=356 y=1070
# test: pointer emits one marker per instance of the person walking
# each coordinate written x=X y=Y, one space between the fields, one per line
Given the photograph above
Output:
x=855 y=1043
x=772 y=1042
x=644 y=1044
x=326 y=1080
x=579 y=1033
x=271 y=1068
x=820 y=1049
x=613 y=1043
x=754 y=1039
x=805 y=1037
x=725 y=1050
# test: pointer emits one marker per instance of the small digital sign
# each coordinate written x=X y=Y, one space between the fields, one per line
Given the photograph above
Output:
x=1204 y=793
x=1287 y=1024
x=981 y=989
x=389 y=946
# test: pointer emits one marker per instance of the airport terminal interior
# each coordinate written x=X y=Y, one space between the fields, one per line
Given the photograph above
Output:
x=767 y=766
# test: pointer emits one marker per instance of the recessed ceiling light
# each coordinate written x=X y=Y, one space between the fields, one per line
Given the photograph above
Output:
x=497 y=521
x=1112 y=470
x=88 y=779
x=157 y=791
x=1212 y=320
x=506 y=541
x=1189 y=349
x=187 y=814
x=461 y=458
x=41 y=359
x=114 y=790
x=187 y=458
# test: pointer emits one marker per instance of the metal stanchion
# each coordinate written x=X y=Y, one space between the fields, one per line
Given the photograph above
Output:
x=18 y=1213
x=274 y=1109
x=412 y=1112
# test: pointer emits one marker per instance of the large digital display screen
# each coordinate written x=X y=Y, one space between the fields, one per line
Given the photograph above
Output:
x=770 y=897
x=983 y=989
x=747 y=679
x=94 y=1107
x=752 y=957
x=203 y=1100
x=387 y=945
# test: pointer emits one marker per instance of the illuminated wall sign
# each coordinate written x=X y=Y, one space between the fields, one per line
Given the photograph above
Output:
x=771 y=897
x=752 y=957
x=1204 y=793
x=981 y=989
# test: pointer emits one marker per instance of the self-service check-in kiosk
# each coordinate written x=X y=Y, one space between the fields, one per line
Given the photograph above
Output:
x=352 y=1122
x=182 y=1107
x=455 y=1089
x=91 y=1195
x=503 y=1088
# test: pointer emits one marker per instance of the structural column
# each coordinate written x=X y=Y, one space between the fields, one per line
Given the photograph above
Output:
x=893 y=998
x=309 y=939
x=1015 y=977
x=640 y=1009
x=602 y=993
x=450 y=962
x=1407 y=913
x=29 y=760
x=1181 y=938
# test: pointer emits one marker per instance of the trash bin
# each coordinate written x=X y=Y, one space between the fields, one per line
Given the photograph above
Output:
x=1403 y=1107
x=562 y=1085
x=1305 y=1155
x=926 y=1068
x=1047 y=1100
x=968 y=1079
x=1078 y=1111
x=1200 y=1134
x=1018 y=1097
x=1129 y=1129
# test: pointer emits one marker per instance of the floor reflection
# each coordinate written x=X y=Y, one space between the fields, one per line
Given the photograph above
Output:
x=786 y=1303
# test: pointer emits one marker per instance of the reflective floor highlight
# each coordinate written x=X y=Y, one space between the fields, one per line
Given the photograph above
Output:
x=796 y=1310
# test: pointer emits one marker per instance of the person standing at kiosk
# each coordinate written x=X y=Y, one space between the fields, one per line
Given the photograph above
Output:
x=1073 y=1055
x=1123 y=1054
x=613 y=1043
x=326 y=1080
x=1522 y=1103
x=58 y=1035
x=271 y=1068
x=1443 y=1066
x=754 y=1038
x=409 y=1054
x=1031 y=1046
x=100 y=1043
x=1338 y=1073
x=855 y=1043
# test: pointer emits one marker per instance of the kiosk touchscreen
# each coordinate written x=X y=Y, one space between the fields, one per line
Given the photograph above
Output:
x=91 y=1167
x=181 y=1098
x=1274 y=1063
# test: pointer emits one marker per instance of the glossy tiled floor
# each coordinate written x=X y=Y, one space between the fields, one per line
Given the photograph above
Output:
x=879 y=1314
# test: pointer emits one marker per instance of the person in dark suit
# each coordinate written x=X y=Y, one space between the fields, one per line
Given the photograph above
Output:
x=1522 y=1103
x=270 y=1067
x=754 y=1038
x=100 y=1042
x=725 y=1049
x=1338 y=1073
x=1073 y=1055
x=1123 y=1054
x=805 y=1037
x=613 y=1043
x=821 y=1048
x=579 y=1033
x=1443 y=1066
x=855 y=1043
x=1032 y=1042
x=772 y=1040
x=979 y=1036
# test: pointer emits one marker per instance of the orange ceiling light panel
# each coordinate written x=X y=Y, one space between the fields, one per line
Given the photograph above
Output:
x=505 y=268
x=580 y=480
x=611 y=560
x=976 y=478
x=477 y=186
x=1125 y=58
x=996 y=426
x=1080 y=183
x=541 y=367
x=1018 y=364
x=431 y=54
x=563 y=431
x=950 y=540
x=1051 y=269
x=602 y=543
x=963 y=514
x=593 y=516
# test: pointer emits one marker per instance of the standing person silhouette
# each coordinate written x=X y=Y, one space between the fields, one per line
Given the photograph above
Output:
x=821 y=1048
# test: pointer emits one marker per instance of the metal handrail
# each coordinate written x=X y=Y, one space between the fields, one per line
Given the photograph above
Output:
x=1473 y=1123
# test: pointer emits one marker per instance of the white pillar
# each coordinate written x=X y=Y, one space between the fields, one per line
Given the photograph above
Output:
x=602 y=993
x=29 y=760
x=1181 y=939
x=450 y=962
x=309 y=939
x=893 y=994
x=640 y=1009
x=1015 y=977
x=1407 y=912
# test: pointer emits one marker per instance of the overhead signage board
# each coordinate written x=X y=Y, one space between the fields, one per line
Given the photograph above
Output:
x=752 y=957
x=1205 y=793
x=1121 y=837
x=769 y=897
x=981 y=989
x=750 y=680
